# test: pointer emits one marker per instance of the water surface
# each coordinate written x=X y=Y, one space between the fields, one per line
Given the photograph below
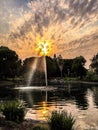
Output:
x=79 y=99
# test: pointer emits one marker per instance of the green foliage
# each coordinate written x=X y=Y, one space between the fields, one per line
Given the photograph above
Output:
x=68 y=67
x=1 y=108
x=95 y=78
x=40 y=127
x=27 y=63
x=10 y=64
x=78 y=68
x=13 y=110
x=94 y=63
x=61 y=121
x=71 y=79
x=91 y=76
x=51 y=67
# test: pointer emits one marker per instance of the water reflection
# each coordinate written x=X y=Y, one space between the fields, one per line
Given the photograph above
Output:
x=95 y=95
x=8 y=93
x=74 y=98
x=43 y=112
x=79 y=94
x=90 y=98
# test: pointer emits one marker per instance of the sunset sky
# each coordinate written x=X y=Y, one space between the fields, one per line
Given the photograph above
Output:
x=71 y=26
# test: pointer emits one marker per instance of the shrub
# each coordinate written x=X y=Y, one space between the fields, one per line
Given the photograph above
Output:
x=1 y=107
x=91 y=76
x=14 y=111
x=61 y=121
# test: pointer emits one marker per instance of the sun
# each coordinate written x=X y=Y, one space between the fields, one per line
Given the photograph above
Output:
x=44 y=48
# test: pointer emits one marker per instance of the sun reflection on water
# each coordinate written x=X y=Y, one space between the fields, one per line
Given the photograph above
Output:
x=44 y=112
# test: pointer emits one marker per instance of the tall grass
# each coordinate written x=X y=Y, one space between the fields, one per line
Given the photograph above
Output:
x=61 y=121
x=13 y=110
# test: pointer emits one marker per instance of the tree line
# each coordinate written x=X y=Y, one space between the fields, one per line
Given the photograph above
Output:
x=11 y=66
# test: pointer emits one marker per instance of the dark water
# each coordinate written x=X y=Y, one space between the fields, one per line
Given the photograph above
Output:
x=77 y=98
x=77 y=93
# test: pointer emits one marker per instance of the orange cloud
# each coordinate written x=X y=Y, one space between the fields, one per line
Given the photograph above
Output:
x=68 y=25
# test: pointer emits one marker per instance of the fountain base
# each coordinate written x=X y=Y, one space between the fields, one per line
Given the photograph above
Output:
x=43 y=88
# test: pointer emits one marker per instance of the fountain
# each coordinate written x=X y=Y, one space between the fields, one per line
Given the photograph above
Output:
x=32 y=71
x=45 y=71
x=43 y=48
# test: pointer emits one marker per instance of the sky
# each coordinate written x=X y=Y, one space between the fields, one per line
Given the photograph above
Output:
x=71 y=26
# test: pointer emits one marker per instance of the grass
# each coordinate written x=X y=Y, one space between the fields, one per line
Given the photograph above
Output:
x=61 y=121
x=91 y=76
x=72 y=79
x=13 y=110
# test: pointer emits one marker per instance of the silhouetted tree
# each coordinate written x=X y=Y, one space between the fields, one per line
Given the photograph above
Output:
x=70 y=67
x=67 y=69
x=57 y=69
x=10 y=64
x=51 y=67
x=94 y=63
x=27 y=64
x=60 y=63
x=78 y=66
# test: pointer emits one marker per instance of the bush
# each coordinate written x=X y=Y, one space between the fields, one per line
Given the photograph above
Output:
x=14 y=111
x=61 y=121
x=40 y=128
x=91 y=76
x=1 y=107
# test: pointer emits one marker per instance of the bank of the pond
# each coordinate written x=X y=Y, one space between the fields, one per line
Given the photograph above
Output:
x=25 y=125
x=63 y=82
x=29 y=123
x=83 y=121
x=83 y=82
x=11 y=82
x=6 y=83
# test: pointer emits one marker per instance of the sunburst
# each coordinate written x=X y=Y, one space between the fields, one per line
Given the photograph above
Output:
x=44 y=48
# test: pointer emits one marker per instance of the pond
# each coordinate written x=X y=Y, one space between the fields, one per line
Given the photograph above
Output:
x=79 y=99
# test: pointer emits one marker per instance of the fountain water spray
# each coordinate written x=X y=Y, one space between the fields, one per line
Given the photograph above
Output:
x=43 y=48
x=45 y=71
x=36 y=65
x=32 y=71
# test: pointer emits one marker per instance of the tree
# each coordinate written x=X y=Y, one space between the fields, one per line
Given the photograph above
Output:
x=60 y=62
x=94 y=63
x=10 y=64
x=67 y=69
x=27 y=64
x=57 y=69
x=51 y=67
x=78 y=66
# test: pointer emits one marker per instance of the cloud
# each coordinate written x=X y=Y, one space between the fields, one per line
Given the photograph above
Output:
x=60 y=15
x=87 y=46
x=68 y=24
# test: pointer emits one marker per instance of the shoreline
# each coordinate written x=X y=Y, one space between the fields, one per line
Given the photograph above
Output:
x=84 y=82
x=6 y=83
